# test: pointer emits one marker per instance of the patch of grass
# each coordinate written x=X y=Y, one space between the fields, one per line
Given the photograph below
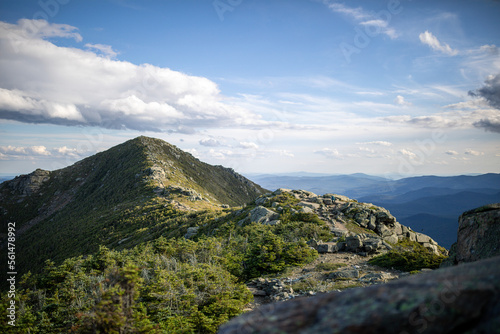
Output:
x=329 y=266
x=355 y=228
x=408 y=256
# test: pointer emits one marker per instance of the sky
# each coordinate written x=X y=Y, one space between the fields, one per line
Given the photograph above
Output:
x=395 y=88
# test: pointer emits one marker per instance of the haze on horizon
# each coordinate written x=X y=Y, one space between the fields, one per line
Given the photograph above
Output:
x=389 y=87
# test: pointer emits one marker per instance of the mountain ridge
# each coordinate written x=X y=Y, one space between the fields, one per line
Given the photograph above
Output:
x=105 y=199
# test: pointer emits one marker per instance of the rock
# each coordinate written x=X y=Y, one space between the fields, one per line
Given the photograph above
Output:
x=478 y=235
x=313 y=243
x=328 y=247
x=261 y=200
x=371 y=245
x=312 y=206
x=422 y=238
x=393 y=238
x=263 y=215
x=338 y=232
x=344 y=274
x=376 y=277
x=191 y=232
x=272 y=222
x=354 y=243
x=457 y=299
x=28 y=184
x=306 y=209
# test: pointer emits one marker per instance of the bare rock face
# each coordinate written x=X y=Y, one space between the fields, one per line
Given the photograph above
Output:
x=28 y=184
x=459 y=299
x=478 y=235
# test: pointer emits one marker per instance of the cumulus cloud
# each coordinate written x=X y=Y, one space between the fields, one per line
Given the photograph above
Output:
x=400 y=100
x=431 y=40
x=489 y=48
x=407 y=153
x=30 y=152
x=44 y=83
x=248 y=145
x=451 y=152
x=470 y=151
x=210 y=142
x=332 y=153
x=490 y=91
x=378 y=142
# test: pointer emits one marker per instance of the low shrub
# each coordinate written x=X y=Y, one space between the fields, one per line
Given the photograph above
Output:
x=408 y=256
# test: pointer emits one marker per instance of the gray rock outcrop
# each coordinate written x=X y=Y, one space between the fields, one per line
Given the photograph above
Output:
x=263 y=215
x=377 y=227
x=478 y=235
x=28 y=184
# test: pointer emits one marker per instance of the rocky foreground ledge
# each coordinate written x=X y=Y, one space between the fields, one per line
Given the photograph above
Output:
x=459 y=299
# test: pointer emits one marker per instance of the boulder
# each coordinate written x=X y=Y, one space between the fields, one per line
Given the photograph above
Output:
x=338 y=232
x=191 y=232
x=328 y=247
x=344 y=274
x=312 y=206
x=393 y=238
x=354 y=243
x=371 y=245
x=459 y=299
x=478 y=235
x=263 y=215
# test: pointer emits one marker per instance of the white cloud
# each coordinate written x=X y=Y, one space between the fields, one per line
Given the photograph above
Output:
x=106 y=50
x=407 y=153
x=470 y=151
x=490 y=49
x=365 y=18
x=378 y=142
x=249 y=145
x=210 y=142
x=44 y=83
x=400 y=100
x=451 y=152
x=332 y=153
x=431 y=40
x=286 y=153
x=38 y=151
x=35 y=29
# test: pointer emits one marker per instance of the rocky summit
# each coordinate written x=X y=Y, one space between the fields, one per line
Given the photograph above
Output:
x=359 y=227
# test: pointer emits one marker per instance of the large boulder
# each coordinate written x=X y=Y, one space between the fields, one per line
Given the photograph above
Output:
x=459 y=299
x=263 y=215
x=478 y=235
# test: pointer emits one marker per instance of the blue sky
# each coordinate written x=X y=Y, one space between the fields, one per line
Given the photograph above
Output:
x=381 y=87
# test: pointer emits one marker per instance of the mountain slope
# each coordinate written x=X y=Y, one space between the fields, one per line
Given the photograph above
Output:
x=132 y=192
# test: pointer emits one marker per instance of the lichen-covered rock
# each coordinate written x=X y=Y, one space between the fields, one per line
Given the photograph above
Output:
x=460 y=299
x=478 y=235
x=263 y=215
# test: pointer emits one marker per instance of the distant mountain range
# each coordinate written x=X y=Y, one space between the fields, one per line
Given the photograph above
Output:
x=428 y=204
